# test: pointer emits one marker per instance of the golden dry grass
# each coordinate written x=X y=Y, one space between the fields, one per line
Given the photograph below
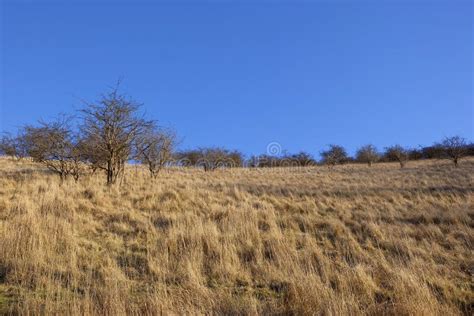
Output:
x=352 y=240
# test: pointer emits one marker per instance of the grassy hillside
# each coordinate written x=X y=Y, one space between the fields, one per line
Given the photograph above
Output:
x=353 y=240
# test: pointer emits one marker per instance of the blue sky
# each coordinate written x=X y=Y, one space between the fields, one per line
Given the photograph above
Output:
x=241 y=75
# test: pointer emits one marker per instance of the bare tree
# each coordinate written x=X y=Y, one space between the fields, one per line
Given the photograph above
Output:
x=188 y=158
x=14 y=147
x=302 y=159
x=334 y=155
x=56 y=146
x=454 y=148
x=7 y=146
x=397 y=153
x=212 y=158
x=154 y=148
x=111 y=126
x=367 y=154
x=90 y=155
x=78 y=160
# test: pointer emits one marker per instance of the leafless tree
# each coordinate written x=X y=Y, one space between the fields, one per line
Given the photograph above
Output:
x=111 y=126
x=334 y=155
x=397 y=153
x=7 y=146
x=212 y=158
x=367 y=154
x=90 y=156
x=154 y=148
x=56 y=146
x=188 y=158
x=13 y=146
x=454 y=148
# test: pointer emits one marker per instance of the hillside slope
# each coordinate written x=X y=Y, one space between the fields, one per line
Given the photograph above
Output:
x=353 y=240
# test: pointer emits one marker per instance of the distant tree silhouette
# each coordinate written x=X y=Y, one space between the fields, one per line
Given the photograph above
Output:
x=367 y=154
x=12 y=146
x=211 y=158
x=302 y=159
x=154 y=148
x=454 y=148
x=397 y=153
x=334 y=155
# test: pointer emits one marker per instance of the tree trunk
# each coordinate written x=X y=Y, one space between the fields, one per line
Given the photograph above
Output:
x=62 y=176
x=110 y=172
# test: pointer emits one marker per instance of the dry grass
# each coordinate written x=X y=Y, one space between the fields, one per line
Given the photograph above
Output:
x=352 y=240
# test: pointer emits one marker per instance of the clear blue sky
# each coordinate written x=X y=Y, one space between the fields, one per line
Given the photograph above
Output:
x=241 y=75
